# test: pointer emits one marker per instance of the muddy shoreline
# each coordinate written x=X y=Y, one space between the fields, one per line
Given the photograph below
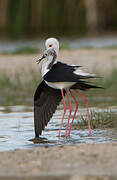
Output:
x=77 y=160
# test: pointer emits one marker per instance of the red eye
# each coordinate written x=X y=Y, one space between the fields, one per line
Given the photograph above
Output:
x=50 y=45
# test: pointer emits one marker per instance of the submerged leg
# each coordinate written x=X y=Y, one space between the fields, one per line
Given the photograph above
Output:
x=70 y=107
x=64 y=111
x=86 y=100
x=77 y=105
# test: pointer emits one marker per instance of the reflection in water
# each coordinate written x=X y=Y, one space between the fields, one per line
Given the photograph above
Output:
x=16 y=130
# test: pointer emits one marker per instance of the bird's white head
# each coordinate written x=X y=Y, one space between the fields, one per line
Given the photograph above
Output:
x=52 y=43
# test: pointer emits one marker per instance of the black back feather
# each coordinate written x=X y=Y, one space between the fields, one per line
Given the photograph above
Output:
x=62 y=72
x=82 y=85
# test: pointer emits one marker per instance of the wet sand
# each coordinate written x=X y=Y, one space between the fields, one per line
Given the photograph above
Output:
x=69 y=162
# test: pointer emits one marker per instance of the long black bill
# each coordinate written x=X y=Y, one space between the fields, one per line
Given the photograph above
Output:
x=39 y=60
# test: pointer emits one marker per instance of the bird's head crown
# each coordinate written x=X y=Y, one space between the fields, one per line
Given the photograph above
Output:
x=52 y=43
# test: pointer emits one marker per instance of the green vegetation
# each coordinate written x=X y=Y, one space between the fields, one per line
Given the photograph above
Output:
x=64 y=46
x=28 y=18
x=98 y=120
x=109 y=84
x=23 y=50
x=18 y=89
x=30 y=50
x=26 y=50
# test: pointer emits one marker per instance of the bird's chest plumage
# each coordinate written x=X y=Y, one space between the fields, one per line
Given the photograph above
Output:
x=45 y=68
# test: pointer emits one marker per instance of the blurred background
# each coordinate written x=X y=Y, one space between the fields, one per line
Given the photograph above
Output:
x=32 y=19
x=86 y=29
x=87 y=32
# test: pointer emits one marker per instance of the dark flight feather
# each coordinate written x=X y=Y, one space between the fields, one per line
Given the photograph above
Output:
x=46 y=100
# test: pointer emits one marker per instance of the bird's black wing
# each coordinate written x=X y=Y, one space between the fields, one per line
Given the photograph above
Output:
x=61 y=72
x=46 y=100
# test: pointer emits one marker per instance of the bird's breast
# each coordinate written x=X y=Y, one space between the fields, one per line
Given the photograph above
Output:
x=60 y=85
x=44 y=69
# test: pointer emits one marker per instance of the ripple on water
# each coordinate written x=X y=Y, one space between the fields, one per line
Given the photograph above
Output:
x=16 y=130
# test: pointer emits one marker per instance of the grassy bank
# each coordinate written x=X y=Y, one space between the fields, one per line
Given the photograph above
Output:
x=18 y=90
x=98 y=120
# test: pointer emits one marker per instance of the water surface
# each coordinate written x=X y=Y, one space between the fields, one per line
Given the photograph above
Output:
x=16 y=129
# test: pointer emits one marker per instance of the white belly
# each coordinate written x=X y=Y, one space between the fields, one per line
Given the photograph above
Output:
x=60 y=85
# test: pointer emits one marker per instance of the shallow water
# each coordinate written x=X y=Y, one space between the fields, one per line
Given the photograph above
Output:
x=16 y=129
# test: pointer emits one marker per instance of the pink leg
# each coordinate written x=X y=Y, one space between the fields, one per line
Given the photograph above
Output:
x=77 y=105
x=64 y=111
x=86 y=100
x=70 y=106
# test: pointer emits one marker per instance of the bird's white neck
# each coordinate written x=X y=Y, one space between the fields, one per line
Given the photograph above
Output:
x=45 y=64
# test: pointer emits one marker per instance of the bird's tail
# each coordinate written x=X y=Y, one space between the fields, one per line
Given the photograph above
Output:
x=84 y=86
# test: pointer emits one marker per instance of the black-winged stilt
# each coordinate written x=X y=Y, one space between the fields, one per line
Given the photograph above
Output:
x=58 y=79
